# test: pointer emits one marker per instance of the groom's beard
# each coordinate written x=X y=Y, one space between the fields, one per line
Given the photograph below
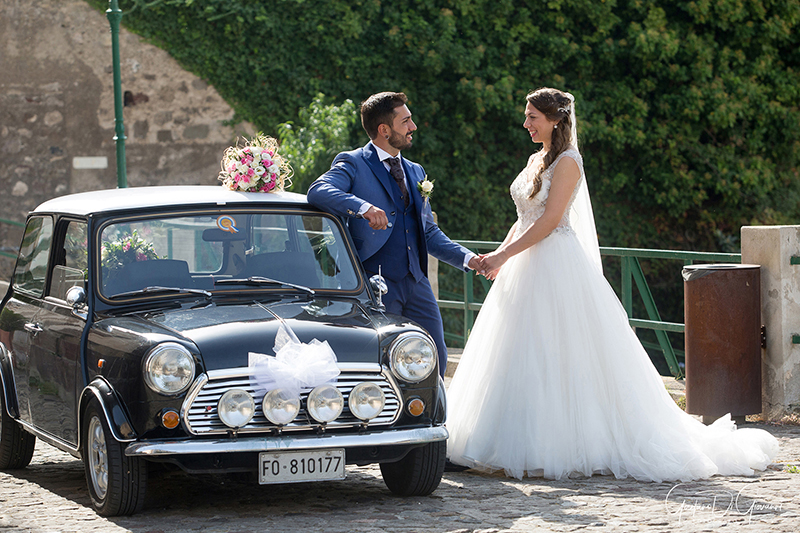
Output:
x=399 y=141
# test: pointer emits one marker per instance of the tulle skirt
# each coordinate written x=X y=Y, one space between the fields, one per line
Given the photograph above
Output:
x=553 y=382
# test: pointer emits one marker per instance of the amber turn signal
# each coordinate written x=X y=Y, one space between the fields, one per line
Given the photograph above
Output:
x=170 y=419
x=416 y=406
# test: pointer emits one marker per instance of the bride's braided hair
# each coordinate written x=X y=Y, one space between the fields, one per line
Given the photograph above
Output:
x=555 y=105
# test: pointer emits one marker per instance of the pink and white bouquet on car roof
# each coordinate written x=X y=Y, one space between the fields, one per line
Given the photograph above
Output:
x=255 y=167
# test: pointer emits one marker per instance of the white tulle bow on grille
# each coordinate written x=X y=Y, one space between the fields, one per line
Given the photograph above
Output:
x=295 y=366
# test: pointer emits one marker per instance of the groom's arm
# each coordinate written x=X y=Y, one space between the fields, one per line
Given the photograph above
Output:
x=440 y=245
x=443 y=248
x=331 y=191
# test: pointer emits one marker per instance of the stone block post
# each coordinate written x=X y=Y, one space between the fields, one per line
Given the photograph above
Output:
x=773 y=247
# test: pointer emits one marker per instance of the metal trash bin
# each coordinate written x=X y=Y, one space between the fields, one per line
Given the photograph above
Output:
x=722 y=310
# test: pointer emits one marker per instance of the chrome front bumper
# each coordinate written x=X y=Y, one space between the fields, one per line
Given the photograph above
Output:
x=287 y=442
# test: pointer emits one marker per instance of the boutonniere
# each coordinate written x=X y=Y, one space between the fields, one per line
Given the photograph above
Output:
x=425 y=188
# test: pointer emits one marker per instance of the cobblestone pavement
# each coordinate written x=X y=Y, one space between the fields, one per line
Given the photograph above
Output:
x=50 y=495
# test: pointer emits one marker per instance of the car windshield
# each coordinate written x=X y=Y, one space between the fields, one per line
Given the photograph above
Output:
x=235 y=251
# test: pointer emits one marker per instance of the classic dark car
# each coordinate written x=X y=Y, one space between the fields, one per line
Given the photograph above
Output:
x=133 y=318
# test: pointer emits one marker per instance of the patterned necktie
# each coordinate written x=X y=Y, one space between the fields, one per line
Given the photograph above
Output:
x=397 y=173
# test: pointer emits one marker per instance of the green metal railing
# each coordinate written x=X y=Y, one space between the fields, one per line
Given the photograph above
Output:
x=4 y=253
x=631 y=272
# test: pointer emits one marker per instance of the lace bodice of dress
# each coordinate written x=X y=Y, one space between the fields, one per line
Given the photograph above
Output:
x=530 y=209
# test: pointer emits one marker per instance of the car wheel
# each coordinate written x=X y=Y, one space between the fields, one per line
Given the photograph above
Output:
x=116 y=483
x=419 y=472
x=16 y=444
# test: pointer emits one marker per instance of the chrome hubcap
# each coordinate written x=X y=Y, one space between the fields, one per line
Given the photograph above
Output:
x=98 y=457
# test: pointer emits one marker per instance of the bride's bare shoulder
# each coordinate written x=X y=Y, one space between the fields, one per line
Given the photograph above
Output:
x=567 y=167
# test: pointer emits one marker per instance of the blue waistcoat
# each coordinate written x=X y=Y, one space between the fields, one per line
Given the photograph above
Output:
x=400 y=255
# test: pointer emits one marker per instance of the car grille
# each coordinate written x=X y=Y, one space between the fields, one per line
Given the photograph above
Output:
x=200 y=416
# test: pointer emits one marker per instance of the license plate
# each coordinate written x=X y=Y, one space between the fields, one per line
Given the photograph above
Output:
x=294 y=467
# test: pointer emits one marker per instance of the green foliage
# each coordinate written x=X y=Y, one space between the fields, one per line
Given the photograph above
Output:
x=688 y=110
x=321 y=132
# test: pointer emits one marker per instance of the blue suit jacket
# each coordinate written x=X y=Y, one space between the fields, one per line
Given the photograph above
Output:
x=359 y=176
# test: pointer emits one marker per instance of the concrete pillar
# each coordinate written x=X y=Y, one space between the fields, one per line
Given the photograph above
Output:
x=433 y=275
x=433 y=267
x=773 y=247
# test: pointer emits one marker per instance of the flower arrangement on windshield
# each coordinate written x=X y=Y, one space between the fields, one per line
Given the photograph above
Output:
x=128 y=249
x=255 y=167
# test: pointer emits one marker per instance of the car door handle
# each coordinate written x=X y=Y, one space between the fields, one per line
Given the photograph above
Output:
x=33 y=329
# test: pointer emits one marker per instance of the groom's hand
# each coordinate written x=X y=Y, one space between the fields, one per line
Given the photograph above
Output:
x=376 y=217
x=475 y=264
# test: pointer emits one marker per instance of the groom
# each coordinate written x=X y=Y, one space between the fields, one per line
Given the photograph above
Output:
x=375 y=189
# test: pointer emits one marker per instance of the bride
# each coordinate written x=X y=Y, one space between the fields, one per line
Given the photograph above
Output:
x=553 y=382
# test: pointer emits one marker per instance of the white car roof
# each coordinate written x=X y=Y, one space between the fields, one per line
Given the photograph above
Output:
x=111 y=200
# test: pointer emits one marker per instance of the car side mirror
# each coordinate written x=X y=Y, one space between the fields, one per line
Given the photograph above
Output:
x=76 y=296
x=380 y=288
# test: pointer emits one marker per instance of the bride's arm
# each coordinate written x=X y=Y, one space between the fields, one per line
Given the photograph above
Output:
x=565 y=178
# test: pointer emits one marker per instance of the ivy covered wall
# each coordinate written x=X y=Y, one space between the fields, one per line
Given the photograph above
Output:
x=688 y=110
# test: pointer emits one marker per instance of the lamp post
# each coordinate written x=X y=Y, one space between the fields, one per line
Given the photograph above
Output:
x=114 y=15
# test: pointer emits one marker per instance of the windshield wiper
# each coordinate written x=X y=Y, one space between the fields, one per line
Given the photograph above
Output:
x=157 y=289
x=259 y=280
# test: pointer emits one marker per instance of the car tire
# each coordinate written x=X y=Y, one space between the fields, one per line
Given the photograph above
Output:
x=116 y=483
x=16 y=444
x=419 y=472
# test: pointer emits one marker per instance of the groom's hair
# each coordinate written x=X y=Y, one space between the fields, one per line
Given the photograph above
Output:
x=379 y=109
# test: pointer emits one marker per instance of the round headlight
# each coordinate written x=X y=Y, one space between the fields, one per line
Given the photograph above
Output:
x=280 y=407
x=366 y=400
x=169 y=368
x=325 y=403
x=236 y=408
x=413 y=357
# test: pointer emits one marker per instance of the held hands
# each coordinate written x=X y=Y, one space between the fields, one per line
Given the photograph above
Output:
x=376 y=217
x=489 y=264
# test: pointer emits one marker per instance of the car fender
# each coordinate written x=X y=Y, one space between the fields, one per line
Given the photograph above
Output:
x=440 y=413
x=113 y=409
x=7 y=383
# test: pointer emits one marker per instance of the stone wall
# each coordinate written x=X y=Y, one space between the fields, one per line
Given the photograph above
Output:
x=57 y=111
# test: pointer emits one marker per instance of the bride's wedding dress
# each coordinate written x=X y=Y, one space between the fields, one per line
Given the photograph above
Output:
x=554 y=382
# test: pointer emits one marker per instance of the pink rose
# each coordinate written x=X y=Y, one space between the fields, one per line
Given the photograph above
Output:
x=140 y=256
x=126 y=247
